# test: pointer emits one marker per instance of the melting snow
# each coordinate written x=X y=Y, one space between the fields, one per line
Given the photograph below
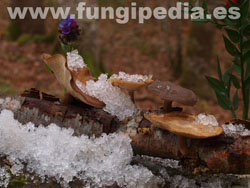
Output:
x=53 y=152
x=75 y=61
x=207 y=120
x=117 y=102
x=235 y=130
x=131 y=78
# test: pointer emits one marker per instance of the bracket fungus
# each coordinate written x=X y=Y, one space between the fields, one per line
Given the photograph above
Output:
x=131 y=83
x=184 y=125
x=171 y=92
x=67 y=78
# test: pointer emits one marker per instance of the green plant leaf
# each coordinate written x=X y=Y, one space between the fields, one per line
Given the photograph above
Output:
x=247 y=83
x=48 y=68
x=223 y=100
x=217 y=85
x=219 y=69
x=233 y=35
x=197 y=3
x=246 y=31
x=235 y=81
x=247 y=71
x=230 y=47
x=244 y=10
x=235 y=100
x=246 y=57
x=246 y=44
x=204 y=6
x=227 y=76
x=232 y=3
x=236 y=66
x=65 y=47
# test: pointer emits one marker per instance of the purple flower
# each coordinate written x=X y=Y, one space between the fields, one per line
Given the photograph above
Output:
x=69 y=30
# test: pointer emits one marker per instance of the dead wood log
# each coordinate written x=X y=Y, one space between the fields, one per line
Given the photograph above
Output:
x=222 y=154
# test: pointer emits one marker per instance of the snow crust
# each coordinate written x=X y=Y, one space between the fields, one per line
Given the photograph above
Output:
x=117 y=102
x=235 y=130
x=75 y=61
x=207 y=120
x=131 y=77
x=54 y=152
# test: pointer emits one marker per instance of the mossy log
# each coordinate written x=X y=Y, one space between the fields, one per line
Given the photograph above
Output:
x=221 y=154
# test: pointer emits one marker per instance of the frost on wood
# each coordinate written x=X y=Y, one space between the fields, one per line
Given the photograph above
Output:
x=116 y=101
x=231 y=129
x=75 y=61
x=131 y=78
x=53 y=152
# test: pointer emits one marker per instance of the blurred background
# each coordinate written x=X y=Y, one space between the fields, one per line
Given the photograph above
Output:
x=176 y=50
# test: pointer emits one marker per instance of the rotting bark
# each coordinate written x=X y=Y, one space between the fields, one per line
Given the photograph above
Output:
x=217 y=155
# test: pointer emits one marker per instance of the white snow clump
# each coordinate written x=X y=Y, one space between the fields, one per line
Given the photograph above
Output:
x=75 y=61
x=116 y=101
x=131 y=77
x=207 y=120
x=235 y=130
x=54 y=152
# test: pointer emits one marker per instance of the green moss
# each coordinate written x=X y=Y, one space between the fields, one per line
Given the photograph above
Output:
x=50 y=37
x=26 y=38
x=17 y=182
x=6 y=88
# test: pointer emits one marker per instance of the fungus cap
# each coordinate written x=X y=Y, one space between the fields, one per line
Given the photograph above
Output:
x=58 y=64
x=183 y=124
x=171 y=92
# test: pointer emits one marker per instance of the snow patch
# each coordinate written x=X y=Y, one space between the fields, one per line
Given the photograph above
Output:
x=9 y=103
x=235 y=130
x=117 y=102
x=131 y=77
x=207 y=120
x=75 y=61
x=54 y=152
x=4 y=177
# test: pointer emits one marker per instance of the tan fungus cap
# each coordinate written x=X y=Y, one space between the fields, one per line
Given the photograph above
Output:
x=67 y=79
x=183 y=124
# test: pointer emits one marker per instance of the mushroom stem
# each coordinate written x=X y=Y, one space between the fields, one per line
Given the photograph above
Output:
x=168 y=106
x=131 y=94
x=182 y=145
x=67 y=99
